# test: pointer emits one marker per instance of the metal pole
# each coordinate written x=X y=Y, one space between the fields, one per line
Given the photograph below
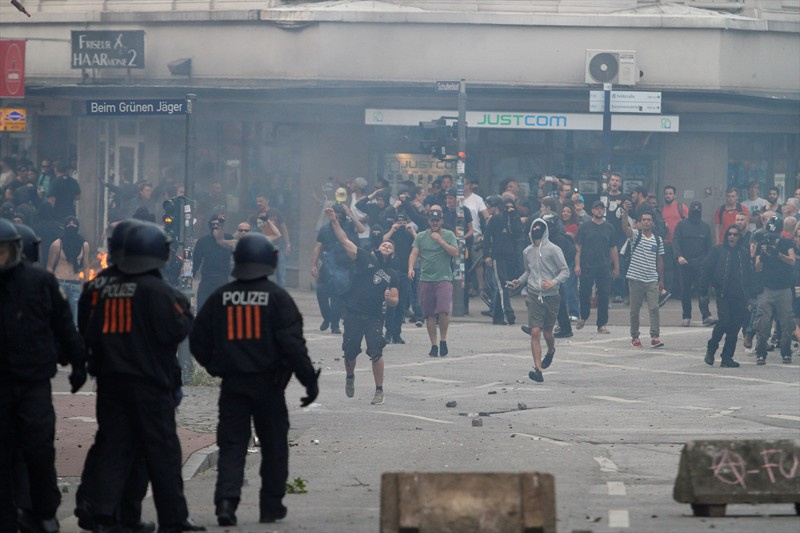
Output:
x=607 y=127
x=460 y=300
x=188 y=215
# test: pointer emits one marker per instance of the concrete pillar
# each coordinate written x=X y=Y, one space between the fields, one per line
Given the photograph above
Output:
x=90 y=206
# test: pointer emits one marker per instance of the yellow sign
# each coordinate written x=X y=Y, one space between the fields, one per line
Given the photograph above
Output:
x=13 y=119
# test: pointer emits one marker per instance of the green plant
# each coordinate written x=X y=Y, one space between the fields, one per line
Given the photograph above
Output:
x=297 y=486
x=201 y=378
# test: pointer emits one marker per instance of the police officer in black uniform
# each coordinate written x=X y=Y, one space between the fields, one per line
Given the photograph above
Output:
x=250 y=333
x=132 y=332
x=130 y=508
x=373 y=284
x=36 y=333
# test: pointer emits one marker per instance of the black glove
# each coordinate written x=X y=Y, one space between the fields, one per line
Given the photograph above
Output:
x=77 y=378
x=312 y=391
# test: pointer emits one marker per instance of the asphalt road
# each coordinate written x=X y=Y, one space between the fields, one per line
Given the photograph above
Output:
x=608 y=422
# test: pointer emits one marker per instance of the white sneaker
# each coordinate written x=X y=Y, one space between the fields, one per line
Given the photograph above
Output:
x=378 y=398
x=686 y=322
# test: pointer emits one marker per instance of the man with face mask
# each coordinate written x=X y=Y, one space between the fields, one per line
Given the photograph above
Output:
x=691 y=243
x=545 y=271
x=68 y=260
x=212 y=258
x=374 y=284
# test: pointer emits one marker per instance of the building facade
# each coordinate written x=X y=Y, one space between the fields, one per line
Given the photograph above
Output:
x=291 y=96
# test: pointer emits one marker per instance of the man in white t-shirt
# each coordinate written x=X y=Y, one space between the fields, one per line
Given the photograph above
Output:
x=476 y=206
x=754 y=204
x=358 y=189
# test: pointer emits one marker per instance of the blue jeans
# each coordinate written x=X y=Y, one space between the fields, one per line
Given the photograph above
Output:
x=73 y=291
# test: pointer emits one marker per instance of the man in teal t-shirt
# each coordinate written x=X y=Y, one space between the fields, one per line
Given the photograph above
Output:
x=435 y=247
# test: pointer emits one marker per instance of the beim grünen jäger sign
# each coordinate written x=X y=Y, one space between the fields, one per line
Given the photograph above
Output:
x=107 y=49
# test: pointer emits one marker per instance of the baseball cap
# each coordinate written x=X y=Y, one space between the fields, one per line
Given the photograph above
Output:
x=341 y=194
x=598 y=203
x=435 y=213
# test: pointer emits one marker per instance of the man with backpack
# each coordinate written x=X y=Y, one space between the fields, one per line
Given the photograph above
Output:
x=691 y=243
x=645 y=273
x=726 y=213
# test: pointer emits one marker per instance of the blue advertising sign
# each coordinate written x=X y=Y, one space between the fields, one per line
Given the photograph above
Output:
x=136 y=107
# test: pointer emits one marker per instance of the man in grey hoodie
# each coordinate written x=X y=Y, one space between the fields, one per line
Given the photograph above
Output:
x=545 y=271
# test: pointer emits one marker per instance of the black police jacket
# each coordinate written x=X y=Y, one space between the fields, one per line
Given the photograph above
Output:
x=251 y=327
x=36 y=329
x=133 y=327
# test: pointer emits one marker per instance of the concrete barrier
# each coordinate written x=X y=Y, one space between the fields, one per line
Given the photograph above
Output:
x=468 y=502
x=715 y=473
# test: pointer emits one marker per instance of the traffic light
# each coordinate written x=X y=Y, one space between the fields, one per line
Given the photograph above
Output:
x=439 y=139
x=172 y=218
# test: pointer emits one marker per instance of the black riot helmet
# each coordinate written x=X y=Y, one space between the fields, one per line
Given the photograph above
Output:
x=145 y=248
x=116 y=240
x=10 y=235
x=30 y=243
x=774 y=224
x=254 y=257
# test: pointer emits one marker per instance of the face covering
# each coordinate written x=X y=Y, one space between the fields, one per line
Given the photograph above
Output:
x=537 y=232
x=695 y=211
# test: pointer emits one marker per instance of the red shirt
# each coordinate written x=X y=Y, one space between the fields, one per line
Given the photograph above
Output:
x=728 y=218
x=671 y=216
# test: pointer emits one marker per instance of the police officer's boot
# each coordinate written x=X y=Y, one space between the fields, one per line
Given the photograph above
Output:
x=226 y=513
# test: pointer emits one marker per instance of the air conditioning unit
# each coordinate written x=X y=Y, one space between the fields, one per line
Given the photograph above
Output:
x=611 y=66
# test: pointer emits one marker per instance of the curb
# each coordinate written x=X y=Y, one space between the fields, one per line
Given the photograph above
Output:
x=200 y=461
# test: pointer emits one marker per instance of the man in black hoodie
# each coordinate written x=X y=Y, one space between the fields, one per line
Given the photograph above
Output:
x=728 y=268
x=691 y=243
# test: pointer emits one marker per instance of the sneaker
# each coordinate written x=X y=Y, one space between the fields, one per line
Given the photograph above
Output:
x=511 y=320
x=548 y=359
x=350 y=386
x=787 y=359
x=686 y=322
x=636 y=343
x=526 y=330
x=434 y=351
x=761 y=359
x=603 y=330
x=498 y=322
x=729 y=363
x=617 y=299
x=325 y=324
x=573 y=318
x=562 y=335
x=709 y=358
x=486 y=312
x=662 y=299
x=378 y=398
x=418 y=323
x=708 y=321
x=748 y=341
x=443 y=348
x=335 y=330
x=397 y=339
x=536 y=375
x=656 y=343
x=580 y=323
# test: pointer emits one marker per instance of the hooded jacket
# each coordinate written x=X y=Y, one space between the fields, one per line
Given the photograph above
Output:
x=692 y=239
x=543 y=262
x=728 y=269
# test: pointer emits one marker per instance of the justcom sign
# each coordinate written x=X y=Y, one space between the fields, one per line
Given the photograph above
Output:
x=517 y=120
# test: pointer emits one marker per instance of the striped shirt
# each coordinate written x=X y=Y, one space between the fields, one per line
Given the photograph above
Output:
x=643 y=258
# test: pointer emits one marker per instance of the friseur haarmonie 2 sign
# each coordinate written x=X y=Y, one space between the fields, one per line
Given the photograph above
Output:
x=163 y=106
x=107 y=49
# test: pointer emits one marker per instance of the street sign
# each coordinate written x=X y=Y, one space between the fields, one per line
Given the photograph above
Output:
x=107 y=49
x=448 y=86
x=626 y=102
x=12 y=68
x=13 y=119
x=136 y=107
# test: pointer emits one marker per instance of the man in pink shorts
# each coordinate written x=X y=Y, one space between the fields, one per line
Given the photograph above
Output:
x=435 y=247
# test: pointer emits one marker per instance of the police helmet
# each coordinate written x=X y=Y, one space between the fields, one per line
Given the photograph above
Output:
x=116 y=240
x=774 y=224
x=494 y=201
x=145 y=248
x=254 y=257
x=30 y=243
x=9 y=234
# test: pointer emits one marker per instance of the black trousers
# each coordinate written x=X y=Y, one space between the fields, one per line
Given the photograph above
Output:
x=27 y=424
x=732 y=315
x=136 y=417
x=130 y=508
x=258 y=397
x=504 y=270
x=690 y=277
x=564 y=325
x=601 y=277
